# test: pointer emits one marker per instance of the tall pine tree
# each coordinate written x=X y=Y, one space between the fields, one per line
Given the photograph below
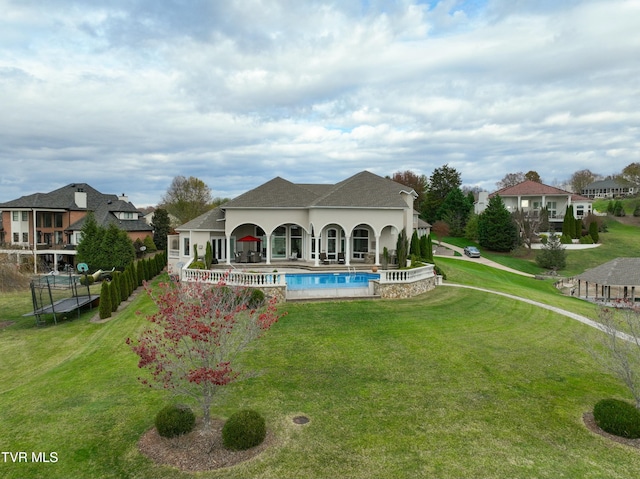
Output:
x=496 y=229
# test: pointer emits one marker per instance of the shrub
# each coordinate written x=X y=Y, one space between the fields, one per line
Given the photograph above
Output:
x=566 y=239
x=197 y=265
x=439 y=271
x=175 y=420
x=617 y=417
x=243 y=430
x=544 y=239
x=256 y=298
x=87 y=279
x=586 y=240
x=636 y=210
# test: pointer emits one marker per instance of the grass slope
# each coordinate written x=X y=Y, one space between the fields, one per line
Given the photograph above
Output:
x=449 y=384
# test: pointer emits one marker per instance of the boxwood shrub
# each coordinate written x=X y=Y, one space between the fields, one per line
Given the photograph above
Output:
x=617 y=417
x=175 y=420
x=244 y=430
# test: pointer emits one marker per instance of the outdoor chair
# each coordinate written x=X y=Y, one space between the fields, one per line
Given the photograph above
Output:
x=341 y=259
x=323 y=258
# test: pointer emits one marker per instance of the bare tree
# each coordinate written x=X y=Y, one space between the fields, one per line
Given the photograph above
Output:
x=621 y=352
x=528 y=226
x=580 y=179
x=631 y=173
x=511 y=179
x=419 y=183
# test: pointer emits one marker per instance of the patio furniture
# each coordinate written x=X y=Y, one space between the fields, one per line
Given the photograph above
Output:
x=293 y=257
x=255 y=257
x=244 y=258
x=324 y=259
x=341 y=259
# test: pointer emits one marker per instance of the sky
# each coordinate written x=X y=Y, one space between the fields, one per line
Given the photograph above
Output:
x=125 y=95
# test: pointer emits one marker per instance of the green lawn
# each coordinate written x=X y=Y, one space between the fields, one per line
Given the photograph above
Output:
x=619 y=241
x=454 y=383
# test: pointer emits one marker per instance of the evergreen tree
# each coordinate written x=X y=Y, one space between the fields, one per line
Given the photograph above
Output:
x=161 y=224
x=115 y=291
x=149 y=244
x=105 y=301
x=415 y=245
x=455 y=211
x=552 y=255
x=402 y=248
x=89 y=244
x=140 y=272
x=429 y=249
x=441 y=182
x=496 y=229
x=593 y=231
x=424 y=247
x=208 y=255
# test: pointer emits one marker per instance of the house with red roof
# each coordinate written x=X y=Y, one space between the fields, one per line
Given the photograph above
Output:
x=531 y=196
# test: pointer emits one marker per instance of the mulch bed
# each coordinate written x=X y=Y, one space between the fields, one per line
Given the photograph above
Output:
x=197 y=451
x=587 y=417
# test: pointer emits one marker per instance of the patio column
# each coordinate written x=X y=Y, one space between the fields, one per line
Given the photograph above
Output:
x=347 y=253
x=377 y=261
x=317 y=258
x=228 y=241
x=268 y=248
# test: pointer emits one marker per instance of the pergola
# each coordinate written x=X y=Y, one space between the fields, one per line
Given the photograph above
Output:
x=616 y=279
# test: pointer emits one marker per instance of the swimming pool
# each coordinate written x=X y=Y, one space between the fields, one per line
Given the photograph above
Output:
x=297 y=281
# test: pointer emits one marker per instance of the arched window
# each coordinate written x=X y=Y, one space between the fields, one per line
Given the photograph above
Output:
x=360 y=242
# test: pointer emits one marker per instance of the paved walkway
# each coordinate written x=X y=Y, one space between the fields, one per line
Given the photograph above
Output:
x=480 y=260
x=569 y=314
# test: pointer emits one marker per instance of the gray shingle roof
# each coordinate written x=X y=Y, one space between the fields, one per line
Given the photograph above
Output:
x=206 y=221
x=617 y=272
x=276 y=193
x=363 y=190
x=62 y=198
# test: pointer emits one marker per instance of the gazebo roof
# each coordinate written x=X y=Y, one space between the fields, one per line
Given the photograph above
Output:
x=617 y=272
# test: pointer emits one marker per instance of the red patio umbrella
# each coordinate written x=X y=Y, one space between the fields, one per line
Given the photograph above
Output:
x=249 y=239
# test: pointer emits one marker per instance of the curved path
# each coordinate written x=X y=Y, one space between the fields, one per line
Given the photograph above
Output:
x=480 y=260
x=564 y=312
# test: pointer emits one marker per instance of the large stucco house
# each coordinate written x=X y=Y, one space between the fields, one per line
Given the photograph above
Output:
x=48 y=225
x=531 y=197
x=347 y=222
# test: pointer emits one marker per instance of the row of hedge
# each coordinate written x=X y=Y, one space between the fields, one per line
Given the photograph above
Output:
x=124 y=283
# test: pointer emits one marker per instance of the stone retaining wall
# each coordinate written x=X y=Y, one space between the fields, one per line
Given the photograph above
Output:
x=403 y=290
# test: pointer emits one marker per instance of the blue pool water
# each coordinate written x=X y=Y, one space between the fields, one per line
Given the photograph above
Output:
x=329 y=280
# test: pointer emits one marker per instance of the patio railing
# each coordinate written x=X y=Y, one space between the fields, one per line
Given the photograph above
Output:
x=406 y=275
x=234 y=278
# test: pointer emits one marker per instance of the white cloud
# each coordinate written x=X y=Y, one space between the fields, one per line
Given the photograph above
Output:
x=131 y=94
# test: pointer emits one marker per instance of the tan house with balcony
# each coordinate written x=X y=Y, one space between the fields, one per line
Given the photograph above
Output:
x=48 y=225
x=344 y=223
x=531 y=197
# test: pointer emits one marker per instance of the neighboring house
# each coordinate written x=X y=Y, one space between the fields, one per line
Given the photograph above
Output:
x=608 y=189
x=531 y=197
x=281 y=221
x=49 y=224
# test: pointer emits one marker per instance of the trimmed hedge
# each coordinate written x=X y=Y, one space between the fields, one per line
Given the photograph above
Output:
x=244 y=430
x=617 y=417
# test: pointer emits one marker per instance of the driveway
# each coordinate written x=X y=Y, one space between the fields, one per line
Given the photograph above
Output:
x=481 y=260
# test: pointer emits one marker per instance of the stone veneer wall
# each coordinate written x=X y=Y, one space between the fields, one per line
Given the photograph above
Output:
x=403 y=290
x=280 y=292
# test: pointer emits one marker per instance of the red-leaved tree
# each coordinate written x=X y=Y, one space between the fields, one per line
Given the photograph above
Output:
x=196 y=336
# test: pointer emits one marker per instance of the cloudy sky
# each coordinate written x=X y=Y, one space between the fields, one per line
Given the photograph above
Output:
x=125 y=95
